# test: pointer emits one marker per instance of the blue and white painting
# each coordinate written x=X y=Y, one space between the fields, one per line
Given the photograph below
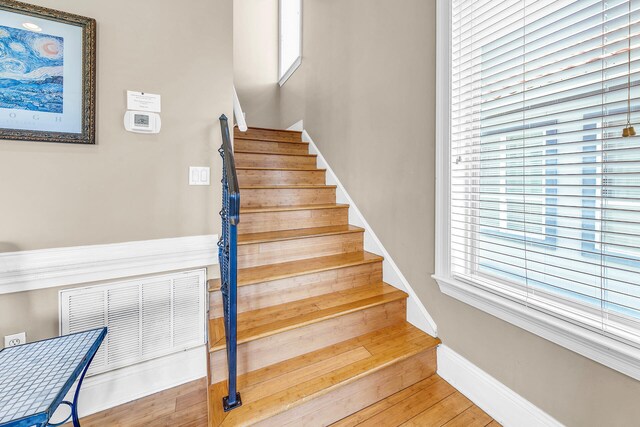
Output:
x=31 y=70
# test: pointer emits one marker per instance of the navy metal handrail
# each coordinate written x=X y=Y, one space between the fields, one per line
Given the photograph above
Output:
x=228 y=257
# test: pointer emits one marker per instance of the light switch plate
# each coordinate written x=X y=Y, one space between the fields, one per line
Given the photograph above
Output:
x=15 y=339
x=199 y=175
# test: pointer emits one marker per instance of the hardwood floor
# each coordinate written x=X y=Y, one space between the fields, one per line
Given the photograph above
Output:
x=430 y=402
x=183 y=406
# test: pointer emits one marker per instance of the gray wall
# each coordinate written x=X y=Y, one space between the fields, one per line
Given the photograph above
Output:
x=128 y=186
x=255 y=66
x=366 y=92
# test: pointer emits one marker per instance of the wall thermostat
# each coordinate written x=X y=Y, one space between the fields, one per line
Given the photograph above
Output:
x=142 y=122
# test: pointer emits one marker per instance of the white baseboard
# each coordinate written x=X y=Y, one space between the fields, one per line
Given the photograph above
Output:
x=46 y=268
x=417 y=314
x=104 y=391
x=500 y=402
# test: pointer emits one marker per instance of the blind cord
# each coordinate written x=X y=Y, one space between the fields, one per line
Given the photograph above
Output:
x=524 y=151
x=602 y=167
x=629 y=130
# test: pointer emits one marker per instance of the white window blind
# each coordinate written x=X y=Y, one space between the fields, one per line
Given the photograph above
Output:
x=545 y=191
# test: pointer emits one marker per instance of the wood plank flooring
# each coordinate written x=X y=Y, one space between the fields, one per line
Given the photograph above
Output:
x=430 y=402
x=182 y=406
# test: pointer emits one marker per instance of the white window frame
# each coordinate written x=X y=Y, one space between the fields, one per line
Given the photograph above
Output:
x=610 y=352
x=298 y=61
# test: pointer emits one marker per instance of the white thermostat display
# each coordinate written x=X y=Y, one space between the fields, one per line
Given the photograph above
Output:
x=142 y=122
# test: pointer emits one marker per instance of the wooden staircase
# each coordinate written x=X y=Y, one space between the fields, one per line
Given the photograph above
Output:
x=320 y=335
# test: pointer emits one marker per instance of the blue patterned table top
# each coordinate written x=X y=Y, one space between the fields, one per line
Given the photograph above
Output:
x=35 y=377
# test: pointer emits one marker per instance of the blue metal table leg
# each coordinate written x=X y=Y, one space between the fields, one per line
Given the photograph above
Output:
x=74 y=405
x=74 y=408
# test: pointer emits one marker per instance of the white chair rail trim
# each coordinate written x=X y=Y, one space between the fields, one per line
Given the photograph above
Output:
x=46 y=268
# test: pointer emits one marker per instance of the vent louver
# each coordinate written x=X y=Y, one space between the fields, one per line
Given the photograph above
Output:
x=147 y=317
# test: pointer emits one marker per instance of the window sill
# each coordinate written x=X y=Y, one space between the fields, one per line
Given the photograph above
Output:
x=609 y=352
x=290 y=71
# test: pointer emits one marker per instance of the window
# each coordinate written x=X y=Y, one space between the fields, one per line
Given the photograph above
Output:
x=290 y=38
x=539 y=197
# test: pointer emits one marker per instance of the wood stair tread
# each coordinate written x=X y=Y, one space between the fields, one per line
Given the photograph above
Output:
x=256 y=168
x=302 y=233
x=273 y=154
x=263 y=139
x=286 y=186
x=268 y=321
x=251 y=210
x=275 y=130
x=274 y=389
x=267 y=273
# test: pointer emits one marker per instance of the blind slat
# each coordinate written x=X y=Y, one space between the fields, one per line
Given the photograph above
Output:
x=580 y=33
x=614 y=262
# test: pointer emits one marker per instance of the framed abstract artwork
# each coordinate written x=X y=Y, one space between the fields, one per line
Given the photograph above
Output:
x=47 y=74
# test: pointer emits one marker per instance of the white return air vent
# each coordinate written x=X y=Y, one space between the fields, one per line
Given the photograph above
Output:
x=147 y=317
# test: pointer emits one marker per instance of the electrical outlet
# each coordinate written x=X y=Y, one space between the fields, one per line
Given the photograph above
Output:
x=15 y=339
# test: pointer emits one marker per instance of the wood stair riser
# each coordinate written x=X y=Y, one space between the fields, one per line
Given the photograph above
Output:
x=271 y=146
x=267 y=294
x=291 y=384
x=260 y=160
x=285 y=345
x=365 y=391
x=286 y=196
x=255 y=254
x=249 y=177
x=293 y=220
x=270 y=134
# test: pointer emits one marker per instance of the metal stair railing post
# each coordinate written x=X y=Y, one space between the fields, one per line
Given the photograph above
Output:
x=228 y=258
